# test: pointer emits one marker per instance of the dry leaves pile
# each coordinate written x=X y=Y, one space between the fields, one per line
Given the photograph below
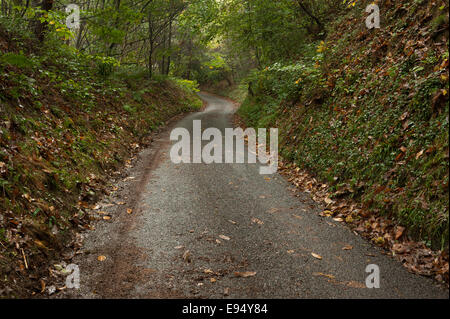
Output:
x=415 y=256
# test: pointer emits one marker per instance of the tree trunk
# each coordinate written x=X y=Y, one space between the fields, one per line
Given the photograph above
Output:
x=116 y=22
x=170 y=48
x=151 y=40
x=41 y=27
x=310 y=14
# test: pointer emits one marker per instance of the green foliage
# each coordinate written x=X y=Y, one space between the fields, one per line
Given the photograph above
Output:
x=187 y=85
x=362 y=124
x=18 y=60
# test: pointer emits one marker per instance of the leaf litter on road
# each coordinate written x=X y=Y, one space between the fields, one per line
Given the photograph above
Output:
x=245 y=274
x=317 y=256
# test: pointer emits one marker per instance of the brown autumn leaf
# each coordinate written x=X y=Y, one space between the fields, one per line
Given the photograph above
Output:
x=405 y=125
x=129 y=210
x=356 y=284
x=42 y=282
x=316 y=256
x=326 y=213
x=106 y=217
x=245 y=274
x=257 y=221
x=187 y=256
x=399 y=248
x=418 y=155
x=101 y=258
x=323 y=275
x=40 y=244
x=83 y=204
x=347 y=247
x=399 y=232
x=404 y=116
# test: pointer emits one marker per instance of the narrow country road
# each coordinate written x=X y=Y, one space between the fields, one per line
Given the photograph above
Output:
x=193 y=226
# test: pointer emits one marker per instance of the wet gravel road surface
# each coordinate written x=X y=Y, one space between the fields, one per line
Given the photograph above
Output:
x=194 y=226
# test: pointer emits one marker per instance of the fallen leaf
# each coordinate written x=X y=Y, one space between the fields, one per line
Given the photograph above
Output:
x=257 y=221
x=404 y=116
x=42 y=285
x=224 y=237
x=356 y=284
x=51 y=290
x=400 y=249
x=290 y=251
x=101 y=258
x=106 y=217
x=347 y=247
x=378 y=240
x=226 y=292
x=232 y=221
x=40 y=243
x=129 y=210
x=187 y=257
x=323 y=275
x=418 y=155
x=245 y=274
x=316 y=256
x=399 y=232
x=326 y=213
x=213 y=280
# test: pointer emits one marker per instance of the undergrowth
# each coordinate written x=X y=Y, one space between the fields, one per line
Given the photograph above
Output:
x=367 y=111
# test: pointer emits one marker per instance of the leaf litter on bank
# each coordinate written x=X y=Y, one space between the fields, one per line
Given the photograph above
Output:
x=415 y=256
x=245 y=274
